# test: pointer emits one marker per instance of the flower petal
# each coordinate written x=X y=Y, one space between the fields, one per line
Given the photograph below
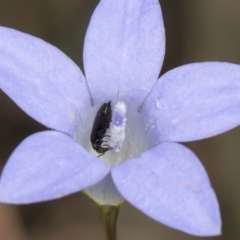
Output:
x=193 y=102
x=42 y=80
x=169 y=184
x=48 y=165
x=124 y=47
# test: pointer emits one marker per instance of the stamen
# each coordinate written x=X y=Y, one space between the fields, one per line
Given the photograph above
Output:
x=117 y=126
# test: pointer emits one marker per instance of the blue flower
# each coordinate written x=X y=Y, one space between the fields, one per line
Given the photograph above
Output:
x=123 y=54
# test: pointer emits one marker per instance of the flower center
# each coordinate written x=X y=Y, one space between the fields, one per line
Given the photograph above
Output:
x=114 y=133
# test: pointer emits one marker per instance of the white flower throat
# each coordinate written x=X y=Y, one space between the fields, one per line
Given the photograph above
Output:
x=120 y=135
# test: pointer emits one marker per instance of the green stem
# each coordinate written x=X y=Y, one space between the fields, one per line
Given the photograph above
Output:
x=109 y=216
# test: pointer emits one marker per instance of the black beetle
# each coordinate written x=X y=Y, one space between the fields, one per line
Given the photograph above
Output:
x=100 y=125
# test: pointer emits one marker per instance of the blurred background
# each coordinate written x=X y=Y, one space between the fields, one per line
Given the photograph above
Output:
x=196 y=30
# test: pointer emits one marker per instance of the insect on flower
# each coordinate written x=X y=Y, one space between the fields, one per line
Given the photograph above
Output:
x=100 y=125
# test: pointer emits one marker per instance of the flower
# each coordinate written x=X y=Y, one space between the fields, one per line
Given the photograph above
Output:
x=123 y=53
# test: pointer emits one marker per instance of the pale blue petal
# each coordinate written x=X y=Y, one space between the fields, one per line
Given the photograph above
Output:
x=193 y=102
x=48 y=165
x=124 y=47
x=169 y=184
x=41 y=80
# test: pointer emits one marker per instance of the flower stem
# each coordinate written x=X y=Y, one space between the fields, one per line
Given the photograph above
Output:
x=109 y=214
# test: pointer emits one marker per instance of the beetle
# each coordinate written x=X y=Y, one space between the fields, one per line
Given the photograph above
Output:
x=100 y=126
